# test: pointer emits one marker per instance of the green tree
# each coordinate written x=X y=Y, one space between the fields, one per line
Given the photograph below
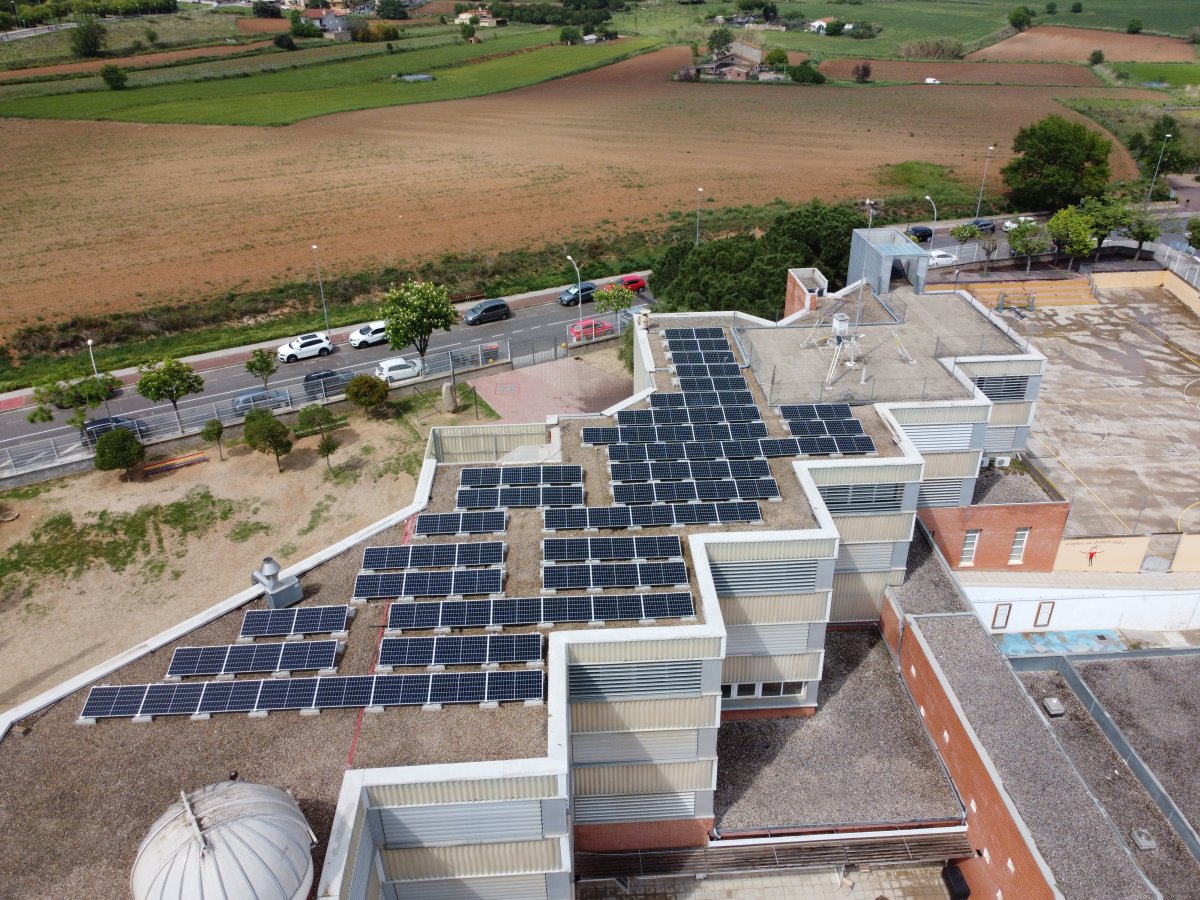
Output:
x=722 y=274
x=266 y=434
x=668 y=265
x=212 y=432
x=1076 y=7
x=570 y=35
x=391 y=9
x=468 y=31
x=862 y=72
x=315 y=418
x=326 y=447
x=284 y=42
x=7 y=21
x=80 y=394
x=118 y=449
x=1147 y=147
x=806 y=73
x=719 y=41
x=1061 y=163
x=613 y=298
x=1108 y=213
x=413 y=311
x=815 y=234
x=1071 y=231
x=777 y=58
x=1193 y=232
x=1051 y=8
x=114 y=76
x=1028 y=240
x=1096 y=58
x=964 y=233
x=266 y=9
x=366 y=391
x=262 y=364
x=169 y=380
x=88 y=37
x=1134 y=26
x=1142 y=227
x=1020 y=18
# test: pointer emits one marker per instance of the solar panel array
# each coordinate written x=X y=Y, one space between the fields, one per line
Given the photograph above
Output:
x=689 y=470
x=650 y=516
x=658 y=434
x=535 y=610
x=708 y=370
x=517 y=476
x=297 y=620
x=240 y=659
x=669 y=400
x=702 y=357
x=331 y=692
x=460 y=582
x=460 y=651
x=736 y=383
x=434 y=556
x=461 y=523
x=580 y=549
x=826 y=428
x=684 y=415
x=689 y=491
x=548 y=495
x=613 y=575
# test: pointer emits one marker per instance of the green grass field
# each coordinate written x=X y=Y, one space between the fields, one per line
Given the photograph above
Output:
x=281 y=98
x=1174 y=74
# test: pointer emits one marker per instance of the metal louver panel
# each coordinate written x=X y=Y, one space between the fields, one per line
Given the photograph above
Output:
x=873 y=557
x=364 y=857
x=430 y=826
x=940 y=492
x=634 y=808
x=646 y=679
x=767 y=640
x=635 y=747
x=863 y=498
x=1000 y=440
x=785 y=576
x=1000 y=388
x=511 y=887
x=940 y=437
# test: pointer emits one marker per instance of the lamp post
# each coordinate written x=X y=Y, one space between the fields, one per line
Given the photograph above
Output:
x=321 y=286
x=934 y=205
x=1161 y=151
x=578 y=295
x=867 y=249
x=699 y=191
x=96 y=372
x=979 y=202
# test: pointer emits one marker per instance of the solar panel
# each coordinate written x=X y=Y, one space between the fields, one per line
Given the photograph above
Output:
x=627 y=452
x=598 y=436
x=741 y=449
x=757 y=489
x=477 y=498
x=802 y=411
x=610 y=575
x=735 y=398
x=666 y=451
x=572 y=519
x=297 y=620
x=694 y=513
x=717 y=490
x=747 y=431
x=834 y=411
x=703 y=450
x=532 y=610
x=635 y=417
x=513 y=476
x=741 y=511
x=809 y=428
x=562 y=474
x=696 y=384
x=239 y=659
x=818 y=446
x=633 y=493
x=749 y=468
x=772 y=448
x=666 y=400
x=460 y=651
x=629 y=471
x=429 y=584
x=701 y=398
x=479 y=478
x=652 y=516
x=855 y=444
x=460 y=523
x=737 y=383
x=841 y=427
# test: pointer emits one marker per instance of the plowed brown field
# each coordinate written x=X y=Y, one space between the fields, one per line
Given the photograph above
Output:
x=247 y=25
x=1055 y=43
x=966 y=72
x=106 y=215
x=134 y=62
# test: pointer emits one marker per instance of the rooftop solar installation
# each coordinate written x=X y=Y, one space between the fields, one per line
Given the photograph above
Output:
x=241 y=659
x=673 y=400
x=701 y=357
x=582 y=549
x=327 y=692
x=689 y=470
x=816 y=411
x=671 y=334
x=460 y=523
x=460 y=582
x=519 y=497
x=297 y=620
x=684 y=415
x=613 y=575
x=656 y=492
x=433 y=556
x=534 y=610
x=712 y=384
x=475 y=650
x=649 y=516
x=706 y=370
x=516 y=476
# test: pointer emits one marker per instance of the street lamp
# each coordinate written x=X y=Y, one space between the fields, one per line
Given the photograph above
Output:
x=321 y=285
x=934 y=205
x=96 y=372
x=699 y=191
x=979 y=202
x=1162 y=150
x=578 y=294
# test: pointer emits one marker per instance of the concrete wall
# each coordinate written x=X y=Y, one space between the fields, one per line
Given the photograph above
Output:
x=1187 y=554
x=997 y=525
x=1104 y=554
x=618 y=836
x=1168 y=281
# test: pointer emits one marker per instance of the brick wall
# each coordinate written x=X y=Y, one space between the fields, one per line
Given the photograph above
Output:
x=890 y=625
x=673 y=834
x=993 y=831
x=796 y=297
x=997 y=525
x=789 y=712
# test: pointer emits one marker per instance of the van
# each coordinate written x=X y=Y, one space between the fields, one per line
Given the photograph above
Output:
x=398 y=369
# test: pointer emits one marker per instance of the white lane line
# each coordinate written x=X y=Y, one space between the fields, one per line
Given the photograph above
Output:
x=517 y=330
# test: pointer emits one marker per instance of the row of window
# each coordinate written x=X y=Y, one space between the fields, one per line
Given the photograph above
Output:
x=1016 y=553
x=1001 y=612
x=763 y=689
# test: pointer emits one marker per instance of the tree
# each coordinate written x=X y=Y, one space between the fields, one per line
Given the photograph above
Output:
x=285 y=42
x=366 y=391
x=964 y=233
x=114 y=76
x=468 y=31
x=212 y=432
x=79 y=394
x=1020 y=18
x=266 y=9
x=1028 y=240
x=118 y=449
x=169 y=380
x=1061 y=163
x=719 y=41
x=862 y=72
x=326 y=447
x=266 y=434
x=570 y=35
x=1134 y=26
x=1076 y=7
x=7 y=21
x=391 y=9
x=88 y=37
x=314 y=418
x=806 y=73
x=1146 y=148
x=1142 y=227
x=1051 y=8
x=777 y=59
x=1071 y=231
x=1193 y=232
x=1107 y=214
x=414 y=311
x=613 y=298
x=262 y=364
x=989 y=244
x=1096 y=58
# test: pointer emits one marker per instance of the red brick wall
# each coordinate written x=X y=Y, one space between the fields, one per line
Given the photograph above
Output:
x=794 y=299
x=990 y=826
x=790 y=712
x=997 y=525
x=890 y=625
x=673 y=834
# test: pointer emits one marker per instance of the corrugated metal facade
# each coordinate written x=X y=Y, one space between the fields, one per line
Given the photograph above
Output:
x=880 y=527
x=1000 y=440
x=772 y=640
x=514 y=887
x=635 y=808
x=865 y=557
x=637 y=651
x=858 y=596
x=940 y=493
x=695 y=775
x=780 y=608
x=787 y=576
x=601 y=682
x=750 y=550
x=644 y=715
x=885 y=497
x=933 y=415
x=374 y=888
x=482 y=443
x=864 y=474
x=466 y=860
x=635 y=746
x=536 y=787
x=951 y=465
x=473 y=823
x=940 y=438
x=1012 y=413
x=359 y=855
x=745 y=669
x=1014 y=365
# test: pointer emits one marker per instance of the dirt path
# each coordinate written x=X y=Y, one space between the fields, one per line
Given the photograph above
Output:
x=1056 y=43
x=135 y=62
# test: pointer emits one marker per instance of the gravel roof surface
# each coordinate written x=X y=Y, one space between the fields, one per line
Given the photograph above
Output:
x=927 y=588
x=1155 y=701
x=1172 y=869
x=863 y=758
x=1088 y=861
x=1002 y=486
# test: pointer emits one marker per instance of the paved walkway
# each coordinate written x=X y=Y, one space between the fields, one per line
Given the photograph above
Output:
x=878 y=884
x=553 y=388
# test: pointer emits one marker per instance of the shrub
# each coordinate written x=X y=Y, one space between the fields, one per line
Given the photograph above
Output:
x=864 y=31
x=285 y=42
x=569 y=35
x=931 y=48
x=862 y=72
x=1096 y=58
x=1020 y=18
x=88 y=37
x=1134 y=26
x=1193 y=35
x=1076 y=7
x=265 y=9
x=806 y=73
x=118 y=449
x=366 y=391
x=114 y=77
x=1051 y=8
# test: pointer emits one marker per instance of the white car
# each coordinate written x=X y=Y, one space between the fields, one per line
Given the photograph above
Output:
x=315 y=344
x=1018 y=221
x=371 y=333
x=939 y=258
x=398 y=369
x=932 y=81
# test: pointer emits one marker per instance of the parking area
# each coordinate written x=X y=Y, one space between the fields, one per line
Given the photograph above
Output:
x=1117 y=422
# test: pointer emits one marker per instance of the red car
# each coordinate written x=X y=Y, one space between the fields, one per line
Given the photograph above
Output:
x=635 y=283
x=590 y=329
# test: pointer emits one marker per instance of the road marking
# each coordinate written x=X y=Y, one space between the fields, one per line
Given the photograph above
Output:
x=517 y=330
x=1086 y=486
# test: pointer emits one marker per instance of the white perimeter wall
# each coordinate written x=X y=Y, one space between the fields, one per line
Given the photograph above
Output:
x=1083 y=608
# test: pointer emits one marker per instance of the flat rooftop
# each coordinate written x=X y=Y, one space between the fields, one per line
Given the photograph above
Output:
x=895 y=361
x=1086 y=856
x=863 y=758
x=928 y=587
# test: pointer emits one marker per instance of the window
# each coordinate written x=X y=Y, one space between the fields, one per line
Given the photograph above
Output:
x=1000 y=615
x=772 y=688
x=727 y=691
x=970 y=541
x=1017 y=553
x=1044 y=611
x=747 y=690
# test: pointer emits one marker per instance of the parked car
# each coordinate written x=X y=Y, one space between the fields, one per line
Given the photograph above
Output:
x=1013 y=224
x=487 y=311
x=590 y=329
x=627 y=316
x=96 y=427
x=399 y=369
x=328 y=383
x=920 y=233
x=987 y=226
x=932 y=81
x=369 y=334
x=315 y=344
x=939 y=258
x=570 y=297
x=635 y=283
x=260 y=398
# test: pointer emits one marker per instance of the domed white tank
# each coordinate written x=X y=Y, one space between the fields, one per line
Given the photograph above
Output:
x=228 y=841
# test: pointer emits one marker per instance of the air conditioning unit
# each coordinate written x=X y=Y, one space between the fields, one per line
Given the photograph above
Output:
x=1001 y=462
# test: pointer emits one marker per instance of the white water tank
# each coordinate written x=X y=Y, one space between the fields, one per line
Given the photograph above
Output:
x=841 y=324
x=228 y=841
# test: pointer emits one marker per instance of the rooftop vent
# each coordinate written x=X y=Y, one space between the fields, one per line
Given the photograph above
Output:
x=1054 y=707
x=1143 y=840
x=280 y=592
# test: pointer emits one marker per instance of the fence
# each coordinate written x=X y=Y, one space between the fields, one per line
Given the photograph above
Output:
x=595 y=328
